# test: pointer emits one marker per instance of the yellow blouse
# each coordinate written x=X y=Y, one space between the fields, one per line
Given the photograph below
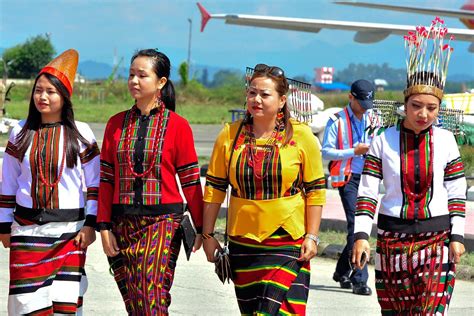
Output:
x=296 y=180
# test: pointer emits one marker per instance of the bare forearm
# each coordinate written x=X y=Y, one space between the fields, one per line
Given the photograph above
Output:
x=210 y=212
x=313 y=218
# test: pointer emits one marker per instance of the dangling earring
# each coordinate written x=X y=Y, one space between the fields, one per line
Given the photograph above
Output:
x=280 y=118
x=158 y=98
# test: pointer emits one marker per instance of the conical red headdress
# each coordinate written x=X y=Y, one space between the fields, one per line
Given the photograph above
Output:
x=64 y=68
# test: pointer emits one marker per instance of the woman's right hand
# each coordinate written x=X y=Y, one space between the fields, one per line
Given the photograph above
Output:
x=211 y=245
x=109 y=243
x=360 y=246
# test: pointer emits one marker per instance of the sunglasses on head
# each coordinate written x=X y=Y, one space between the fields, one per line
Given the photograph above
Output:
x=273 y=70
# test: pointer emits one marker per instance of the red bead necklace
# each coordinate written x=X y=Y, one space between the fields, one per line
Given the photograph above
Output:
x=406 y=188
x=128 y=139
x=269 y=149
x=40 y=162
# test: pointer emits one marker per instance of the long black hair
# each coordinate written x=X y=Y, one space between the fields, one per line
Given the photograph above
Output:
x=162 y=67
x=33 y=124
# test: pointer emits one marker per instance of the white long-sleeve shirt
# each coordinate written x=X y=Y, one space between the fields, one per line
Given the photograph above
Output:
x=442 y=205
x=21 y=184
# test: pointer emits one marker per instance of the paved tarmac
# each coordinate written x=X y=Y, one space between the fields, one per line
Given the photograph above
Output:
x=204 y=136
x=197 y=291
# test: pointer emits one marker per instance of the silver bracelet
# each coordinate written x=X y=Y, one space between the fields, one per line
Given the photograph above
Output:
x=313 y=237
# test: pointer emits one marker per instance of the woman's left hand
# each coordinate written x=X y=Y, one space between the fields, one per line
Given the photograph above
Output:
x=85 y=237
x=197 y=243
x=456 y=250
x=308 y=250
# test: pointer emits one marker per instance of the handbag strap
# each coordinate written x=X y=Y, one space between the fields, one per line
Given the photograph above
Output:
x=228 y=180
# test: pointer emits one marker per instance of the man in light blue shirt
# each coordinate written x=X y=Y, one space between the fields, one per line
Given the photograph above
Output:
x=347 y=139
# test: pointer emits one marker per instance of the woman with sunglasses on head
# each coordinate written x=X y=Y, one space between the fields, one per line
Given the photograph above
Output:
x=44 y=218
x=273 y=165
x=422 y=214
x=145 y=150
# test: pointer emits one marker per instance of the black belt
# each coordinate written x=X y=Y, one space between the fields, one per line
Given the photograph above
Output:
x=47 y=215
x=413 y=226
x=147 y=210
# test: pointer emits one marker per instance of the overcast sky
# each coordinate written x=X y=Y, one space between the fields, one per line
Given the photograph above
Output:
x=97 y=28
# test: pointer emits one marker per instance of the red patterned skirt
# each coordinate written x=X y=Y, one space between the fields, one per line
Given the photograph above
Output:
x=46 y=269
x=144 y=269
x=413 y=275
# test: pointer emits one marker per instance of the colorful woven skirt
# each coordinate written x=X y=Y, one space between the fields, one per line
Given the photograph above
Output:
x=413 y=275
x=144 y=269
x=268 y=279
x=46 y=270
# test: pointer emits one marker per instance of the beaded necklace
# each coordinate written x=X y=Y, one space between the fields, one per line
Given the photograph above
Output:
x=406 y=188
x=269 y=150
x=40 y=161
x=128 y=140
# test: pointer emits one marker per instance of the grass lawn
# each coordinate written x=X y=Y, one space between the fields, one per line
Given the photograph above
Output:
x=3 y=140
x=194 y=113
x=206 y=113
x=82 y=112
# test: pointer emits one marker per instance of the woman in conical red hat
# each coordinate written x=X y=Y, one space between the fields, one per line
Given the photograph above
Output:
x=44 y=217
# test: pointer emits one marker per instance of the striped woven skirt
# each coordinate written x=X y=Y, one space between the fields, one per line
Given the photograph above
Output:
x=413 y=275
x=46 y=270
x=268 y=279
x=144 y=269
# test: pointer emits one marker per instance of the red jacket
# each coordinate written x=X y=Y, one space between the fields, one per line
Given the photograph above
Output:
x=158 y=192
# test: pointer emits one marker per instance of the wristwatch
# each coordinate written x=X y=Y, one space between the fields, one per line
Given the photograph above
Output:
x=313 y=237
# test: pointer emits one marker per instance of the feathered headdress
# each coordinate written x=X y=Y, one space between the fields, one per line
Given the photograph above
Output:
x=427 y=59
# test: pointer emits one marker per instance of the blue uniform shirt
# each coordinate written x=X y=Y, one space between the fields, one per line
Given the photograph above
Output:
x=359 y=135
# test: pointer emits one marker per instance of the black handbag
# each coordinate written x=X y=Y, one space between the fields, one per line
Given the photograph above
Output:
x=222 y=264
x=188 y=232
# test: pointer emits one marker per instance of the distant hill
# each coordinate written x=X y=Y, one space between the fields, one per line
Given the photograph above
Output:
x=93 y=70
x=460 y=77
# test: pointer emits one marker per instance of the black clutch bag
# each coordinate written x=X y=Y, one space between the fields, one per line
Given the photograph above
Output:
x=222 y=265
x=189 y=233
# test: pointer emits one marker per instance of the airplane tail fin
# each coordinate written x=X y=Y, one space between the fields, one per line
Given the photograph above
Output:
x=205 y=16
x=469 y=23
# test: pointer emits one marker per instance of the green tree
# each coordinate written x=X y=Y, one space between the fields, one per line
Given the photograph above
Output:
x=227 y=77
x=183 y=73
x=205 y=77
x=302 y=78
x=28 y=58
x=395 y=77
